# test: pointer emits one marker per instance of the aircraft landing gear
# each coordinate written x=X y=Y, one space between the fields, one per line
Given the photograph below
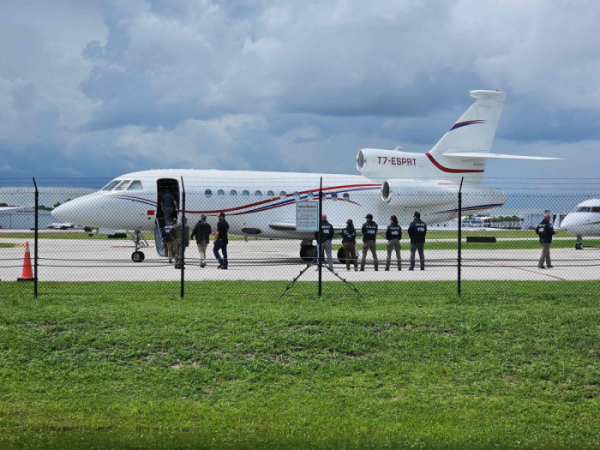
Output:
x=140 y=241
x=579 y=245
x=138 y=256
x=308 y=252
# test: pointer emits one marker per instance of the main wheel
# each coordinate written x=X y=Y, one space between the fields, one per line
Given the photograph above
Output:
x=308 y=252
x=578 y=246
x=137 y=256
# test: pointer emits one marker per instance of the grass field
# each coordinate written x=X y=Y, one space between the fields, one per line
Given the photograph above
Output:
x=515 y=367
x=5 y=245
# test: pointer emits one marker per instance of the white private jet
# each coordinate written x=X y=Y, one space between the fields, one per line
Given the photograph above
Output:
x=584 y=221
x=262 y=204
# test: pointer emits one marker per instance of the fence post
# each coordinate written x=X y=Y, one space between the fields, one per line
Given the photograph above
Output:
x=460 y=234
x=182 y=243
x=319 y=246
x=35 y=240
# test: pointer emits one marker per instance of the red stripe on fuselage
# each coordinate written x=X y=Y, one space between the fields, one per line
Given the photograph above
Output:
x=446 y=169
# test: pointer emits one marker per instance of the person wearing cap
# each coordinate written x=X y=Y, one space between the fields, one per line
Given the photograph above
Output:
x=545 y=231
x=202 y=232
x=417 y=231
x=349 y=244
x=326 y=237
x=369 y=232
x=393 y=234
x=221 y=241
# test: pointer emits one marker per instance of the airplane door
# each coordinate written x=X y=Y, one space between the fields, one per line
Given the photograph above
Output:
x=166 y=186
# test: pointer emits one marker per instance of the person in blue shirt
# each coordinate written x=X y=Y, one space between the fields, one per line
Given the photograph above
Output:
x=369 y=232
x=326 y=237
x=545 y=231
x=417 y=231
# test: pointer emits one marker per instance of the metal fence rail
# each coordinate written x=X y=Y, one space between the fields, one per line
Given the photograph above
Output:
x=95 y=237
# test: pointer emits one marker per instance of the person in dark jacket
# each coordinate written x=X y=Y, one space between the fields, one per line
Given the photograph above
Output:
x=349 y=244
x=545 y=230
x=221 y=241
x=393 y=234
x=369 y=232
x=417 y=231
x=169 y=205
x=168 y=240
x=326 y=237
x=202 y=232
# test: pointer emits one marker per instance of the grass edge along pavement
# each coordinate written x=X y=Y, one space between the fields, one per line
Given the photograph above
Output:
x=516 y=368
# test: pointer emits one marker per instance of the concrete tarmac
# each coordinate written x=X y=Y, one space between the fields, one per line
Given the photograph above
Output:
x=75 y=260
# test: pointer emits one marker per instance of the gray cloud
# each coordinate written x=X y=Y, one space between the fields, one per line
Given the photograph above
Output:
x=115 y=86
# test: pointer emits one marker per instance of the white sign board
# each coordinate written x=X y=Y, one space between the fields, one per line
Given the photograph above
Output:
x=307 y=216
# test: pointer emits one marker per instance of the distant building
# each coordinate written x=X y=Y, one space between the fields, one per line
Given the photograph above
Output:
x=19 y=218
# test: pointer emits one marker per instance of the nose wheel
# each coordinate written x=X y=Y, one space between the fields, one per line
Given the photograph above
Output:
x=578 y=246
x=137 y=256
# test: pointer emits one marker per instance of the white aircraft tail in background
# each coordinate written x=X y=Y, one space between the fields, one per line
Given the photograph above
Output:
x=461 y=153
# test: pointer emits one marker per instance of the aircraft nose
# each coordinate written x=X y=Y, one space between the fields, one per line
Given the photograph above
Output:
x=71 y=212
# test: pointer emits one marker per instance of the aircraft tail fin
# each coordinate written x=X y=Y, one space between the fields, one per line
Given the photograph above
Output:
x=473 y=133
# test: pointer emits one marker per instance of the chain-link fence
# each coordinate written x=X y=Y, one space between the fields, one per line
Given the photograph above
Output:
x=127 y=238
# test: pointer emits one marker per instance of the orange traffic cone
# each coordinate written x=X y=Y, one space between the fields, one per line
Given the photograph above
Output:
x=27 y=274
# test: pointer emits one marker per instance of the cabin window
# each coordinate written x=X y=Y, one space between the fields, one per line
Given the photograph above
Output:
x=271 y=194
x=297 y=196
x=346 y=197
x=596 y=209
x=111 y=185
x=334 y=196
x=283 y=194
x=584 y=209
x=245 y=192
x=233 y=192
x=135 y=186
x=123 y=185
x=208 y=193
x=258 y=193
x=220 y=192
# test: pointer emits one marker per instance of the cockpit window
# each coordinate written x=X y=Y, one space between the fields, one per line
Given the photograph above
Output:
x=596 y=209
x=135 y=186
x=123 y=185
x=111 y=185
x=584 y=209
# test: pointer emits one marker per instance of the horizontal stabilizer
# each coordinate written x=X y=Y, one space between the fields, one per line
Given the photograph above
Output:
x=483 y=155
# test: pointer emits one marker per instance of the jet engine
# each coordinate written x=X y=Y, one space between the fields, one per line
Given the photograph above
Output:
x=409 y=193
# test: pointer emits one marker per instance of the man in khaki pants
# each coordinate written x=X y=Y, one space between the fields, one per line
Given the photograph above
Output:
x=202 y=232
x=545 y=231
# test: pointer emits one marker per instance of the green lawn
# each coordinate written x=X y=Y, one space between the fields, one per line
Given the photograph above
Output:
x=516 y=366
x=4 y=245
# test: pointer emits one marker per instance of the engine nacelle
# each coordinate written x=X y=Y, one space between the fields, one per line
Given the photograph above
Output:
x=413 y=193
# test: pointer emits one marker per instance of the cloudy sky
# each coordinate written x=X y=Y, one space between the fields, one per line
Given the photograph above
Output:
x=99 y=88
